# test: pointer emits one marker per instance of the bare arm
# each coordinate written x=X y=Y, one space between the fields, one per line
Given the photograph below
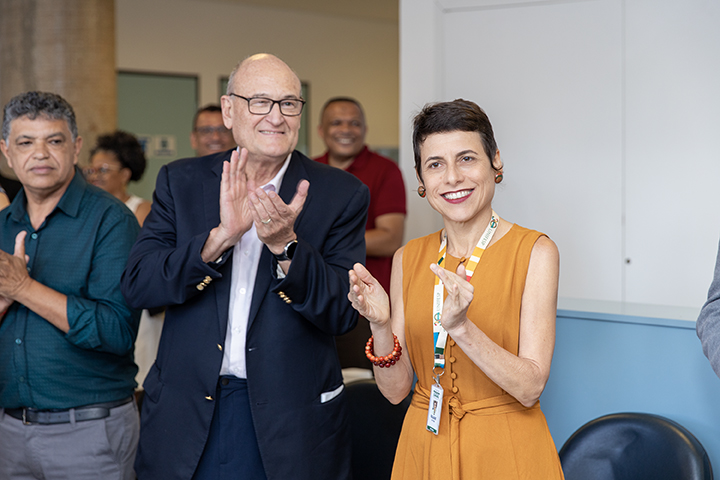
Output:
x=523 y=376
x=142 y=211
x=371 y=301
x=387 y=236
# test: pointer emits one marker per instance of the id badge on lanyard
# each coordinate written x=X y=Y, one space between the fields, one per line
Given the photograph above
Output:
x=439 y=333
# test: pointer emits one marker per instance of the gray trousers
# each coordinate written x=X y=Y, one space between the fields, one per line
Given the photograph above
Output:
x=92 y=450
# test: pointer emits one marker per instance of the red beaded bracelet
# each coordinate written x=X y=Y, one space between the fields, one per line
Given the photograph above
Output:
x=387 y=360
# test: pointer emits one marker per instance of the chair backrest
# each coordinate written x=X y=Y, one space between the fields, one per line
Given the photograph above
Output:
x=375 y=425
x=634 y=446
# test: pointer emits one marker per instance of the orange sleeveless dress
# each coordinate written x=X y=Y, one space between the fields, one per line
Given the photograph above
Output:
x=484 y=432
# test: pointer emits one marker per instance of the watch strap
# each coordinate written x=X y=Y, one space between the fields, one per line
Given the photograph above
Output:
x=287 y=253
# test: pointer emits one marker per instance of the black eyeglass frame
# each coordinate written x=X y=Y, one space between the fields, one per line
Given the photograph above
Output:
x=272 y=104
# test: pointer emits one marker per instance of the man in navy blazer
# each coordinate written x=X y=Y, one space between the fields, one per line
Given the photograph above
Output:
x=249 y=250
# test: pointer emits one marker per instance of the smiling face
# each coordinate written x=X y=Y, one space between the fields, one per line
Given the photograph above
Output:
x=210 y=135
x=457 y=175
x=343 y=130
x=269 y=137
x=42 y=154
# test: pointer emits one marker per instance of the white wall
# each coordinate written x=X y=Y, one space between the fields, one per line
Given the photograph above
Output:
x=605 y=113
x=335 y=55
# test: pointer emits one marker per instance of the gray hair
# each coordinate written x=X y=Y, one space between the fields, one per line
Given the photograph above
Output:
x=35 y=104
x=231 y=80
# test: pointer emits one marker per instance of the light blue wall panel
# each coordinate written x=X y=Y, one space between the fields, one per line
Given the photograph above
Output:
x=607 y=363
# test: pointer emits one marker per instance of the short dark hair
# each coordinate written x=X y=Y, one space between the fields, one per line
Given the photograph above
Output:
x=35 y=104
x=341 y=99
x=126 y=148
x=212 y=108
x=456 y=116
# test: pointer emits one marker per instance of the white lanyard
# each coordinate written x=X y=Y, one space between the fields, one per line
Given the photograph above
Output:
x=439 y=333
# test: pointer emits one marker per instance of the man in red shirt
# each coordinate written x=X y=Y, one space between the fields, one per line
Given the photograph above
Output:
x=342 y=128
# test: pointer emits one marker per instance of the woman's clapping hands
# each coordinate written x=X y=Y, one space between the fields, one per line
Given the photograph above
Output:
x=367 y=295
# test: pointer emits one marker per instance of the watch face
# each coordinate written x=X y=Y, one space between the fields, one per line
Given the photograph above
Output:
x=290 y=249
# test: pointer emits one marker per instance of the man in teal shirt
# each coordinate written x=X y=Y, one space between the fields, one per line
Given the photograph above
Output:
x=66 y=332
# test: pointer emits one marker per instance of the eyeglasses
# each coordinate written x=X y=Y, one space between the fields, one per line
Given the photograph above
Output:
x=207 y=131
x=290 y=107
x=104 y=170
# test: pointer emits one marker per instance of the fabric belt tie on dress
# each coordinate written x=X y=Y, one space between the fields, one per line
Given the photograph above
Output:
x=487 y=406
x=95 y=411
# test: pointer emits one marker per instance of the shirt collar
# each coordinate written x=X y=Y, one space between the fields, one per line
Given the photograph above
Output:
x=277 y=179
x=360 y=160
x=69 y=202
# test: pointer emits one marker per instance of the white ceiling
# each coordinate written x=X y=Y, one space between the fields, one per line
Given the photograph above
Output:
x=381 y=10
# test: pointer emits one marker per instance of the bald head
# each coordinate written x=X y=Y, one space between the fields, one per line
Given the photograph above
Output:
x=259 y=65
x=268 y=137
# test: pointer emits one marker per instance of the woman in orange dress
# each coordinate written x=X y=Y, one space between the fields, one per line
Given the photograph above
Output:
x=473 y=314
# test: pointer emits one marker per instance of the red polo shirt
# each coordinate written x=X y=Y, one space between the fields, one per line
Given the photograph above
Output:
x=387 y=195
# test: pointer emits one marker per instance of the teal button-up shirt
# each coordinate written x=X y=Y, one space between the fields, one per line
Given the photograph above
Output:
x=80 y=250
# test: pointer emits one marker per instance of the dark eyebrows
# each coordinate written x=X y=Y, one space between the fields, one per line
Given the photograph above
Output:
x=30 y=137
x=465 y=152
x=459 y=154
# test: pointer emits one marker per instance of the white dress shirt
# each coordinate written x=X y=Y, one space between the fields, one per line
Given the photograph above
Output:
x=246 y=258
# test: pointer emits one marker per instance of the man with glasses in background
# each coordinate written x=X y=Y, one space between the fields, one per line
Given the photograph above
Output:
x=250 y=251
x=209 y=134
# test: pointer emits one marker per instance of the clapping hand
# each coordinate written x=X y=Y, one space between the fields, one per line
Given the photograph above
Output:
x=367 y=296
x=13 y=272
x=235 y=214
x=274 y=219
x=459 y=295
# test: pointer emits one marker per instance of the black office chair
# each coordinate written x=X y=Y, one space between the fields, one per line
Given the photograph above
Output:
x=375 y=426
x=634 y=446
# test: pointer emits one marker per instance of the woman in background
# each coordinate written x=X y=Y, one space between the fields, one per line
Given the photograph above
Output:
x=482 y=353
x=116 y=160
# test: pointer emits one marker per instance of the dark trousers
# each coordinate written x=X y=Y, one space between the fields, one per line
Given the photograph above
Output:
x=231 y=450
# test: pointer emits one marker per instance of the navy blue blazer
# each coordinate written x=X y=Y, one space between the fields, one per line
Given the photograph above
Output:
x=290 y=350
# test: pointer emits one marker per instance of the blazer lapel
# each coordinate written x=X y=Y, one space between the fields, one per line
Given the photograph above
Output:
x=294 y=173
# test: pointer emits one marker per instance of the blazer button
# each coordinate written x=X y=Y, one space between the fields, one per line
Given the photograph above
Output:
x=206 y=281
x=219 y=347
